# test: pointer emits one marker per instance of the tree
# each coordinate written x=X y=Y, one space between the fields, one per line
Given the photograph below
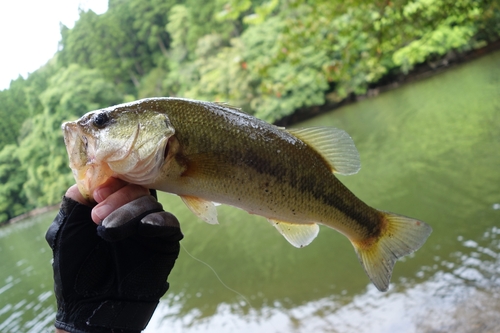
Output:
x=13 y=111
x=72 y=92
x=13 y=200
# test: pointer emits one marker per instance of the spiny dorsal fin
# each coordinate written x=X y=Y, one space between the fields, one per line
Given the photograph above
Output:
x=231 y=107
x=335 y=145
x=205 y=210
x=299 y=235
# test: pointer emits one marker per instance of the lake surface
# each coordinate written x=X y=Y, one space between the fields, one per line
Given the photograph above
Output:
x=430 y=150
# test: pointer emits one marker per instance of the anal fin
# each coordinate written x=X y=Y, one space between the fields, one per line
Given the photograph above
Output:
x=204 y=209
x=299 y=235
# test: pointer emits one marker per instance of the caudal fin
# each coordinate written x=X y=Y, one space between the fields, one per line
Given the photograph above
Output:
x=402 y=236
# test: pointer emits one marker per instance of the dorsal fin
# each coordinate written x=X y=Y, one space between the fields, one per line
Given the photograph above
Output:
x=231 y=107
x=334 y=145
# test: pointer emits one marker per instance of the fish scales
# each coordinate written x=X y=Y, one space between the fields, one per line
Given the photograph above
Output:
x=302 y=183
x=209 y=152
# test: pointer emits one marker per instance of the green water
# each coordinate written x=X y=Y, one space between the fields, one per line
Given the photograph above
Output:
x=430 y=150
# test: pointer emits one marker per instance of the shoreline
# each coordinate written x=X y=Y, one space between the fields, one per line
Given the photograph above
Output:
x=391 y=82
x=31 y=213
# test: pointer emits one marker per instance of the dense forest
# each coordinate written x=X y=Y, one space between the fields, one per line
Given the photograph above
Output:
x=270 y=57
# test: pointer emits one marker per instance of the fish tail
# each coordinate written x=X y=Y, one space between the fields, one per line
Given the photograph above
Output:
x=401 y=236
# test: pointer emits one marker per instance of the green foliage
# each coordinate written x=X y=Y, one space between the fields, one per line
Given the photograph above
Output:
x=13 y=200
x=151 y=84
x=454 y=26
x=178 y=28
x=125 y=43
x=222 y=72
x=287 y=79
x=14 y=110
x=72 y=92
x=270 y=57
x=41 y=154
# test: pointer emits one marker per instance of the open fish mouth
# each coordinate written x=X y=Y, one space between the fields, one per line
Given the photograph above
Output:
x=87 y=171
x=76 y=145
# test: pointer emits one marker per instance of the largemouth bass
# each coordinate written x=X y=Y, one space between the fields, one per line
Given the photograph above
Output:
x=209 y=152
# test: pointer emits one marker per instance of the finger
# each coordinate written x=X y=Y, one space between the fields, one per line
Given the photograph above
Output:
x=109 y=187
x=123 y=222
x=74 y=193
x=117 y=199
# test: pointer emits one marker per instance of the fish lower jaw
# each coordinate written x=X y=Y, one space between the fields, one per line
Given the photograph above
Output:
x=90 y=177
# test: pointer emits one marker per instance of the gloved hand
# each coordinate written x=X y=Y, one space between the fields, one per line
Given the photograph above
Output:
x=109 y=278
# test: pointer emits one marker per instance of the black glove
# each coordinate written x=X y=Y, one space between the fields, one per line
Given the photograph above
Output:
x=109 y=278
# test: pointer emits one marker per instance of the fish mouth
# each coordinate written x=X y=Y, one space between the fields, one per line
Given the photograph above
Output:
x=87 y=172
x=76 y=144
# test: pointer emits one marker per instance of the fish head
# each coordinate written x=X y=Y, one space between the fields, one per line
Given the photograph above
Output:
x=127 y=141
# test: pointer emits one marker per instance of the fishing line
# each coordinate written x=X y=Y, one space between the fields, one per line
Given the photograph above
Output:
x=217 y=276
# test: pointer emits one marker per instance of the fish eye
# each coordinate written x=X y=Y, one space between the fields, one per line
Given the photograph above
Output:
x=101 y=119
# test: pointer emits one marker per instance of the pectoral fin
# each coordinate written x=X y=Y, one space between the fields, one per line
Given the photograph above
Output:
x=205 y=210
x=335 y=145
x=299 y=235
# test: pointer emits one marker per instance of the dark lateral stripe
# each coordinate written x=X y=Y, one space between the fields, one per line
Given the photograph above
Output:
x=214 y=132
x=330 y=192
